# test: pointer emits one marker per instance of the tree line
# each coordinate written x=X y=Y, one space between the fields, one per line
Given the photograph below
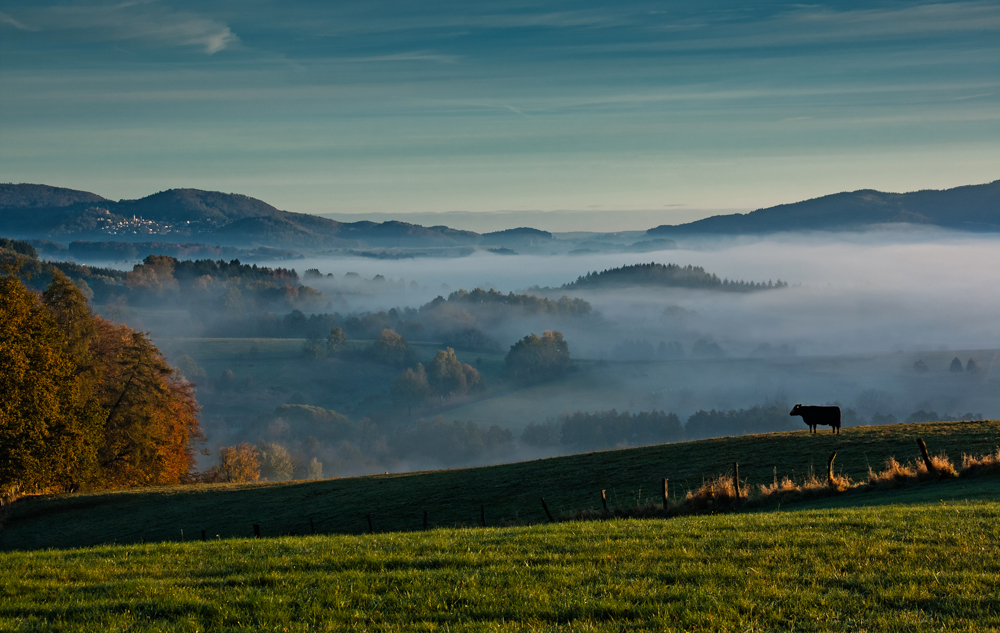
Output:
x=667 y=276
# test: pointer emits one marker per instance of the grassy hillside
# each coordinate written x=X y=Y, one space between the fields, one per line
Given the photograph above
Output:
x=507 y=493
x=931 y=566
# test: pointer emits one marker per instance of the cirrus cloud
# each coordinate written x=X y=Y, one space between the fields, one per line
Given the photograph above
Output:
x=145 y=22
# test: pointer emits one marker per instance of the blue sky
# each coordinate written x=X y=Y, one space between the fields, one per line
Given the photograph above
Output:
x=397 y=107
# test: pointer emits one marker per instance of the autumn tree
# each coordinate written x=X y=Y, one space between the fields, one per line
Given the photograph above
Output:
x=536 y=358
x=151 y=423
x=445 y=375
x=240 y=463
x=275 y=462
x=411 y=388
x=336 y=341
x=390 y=348
x=86 y=403
x=47 y=424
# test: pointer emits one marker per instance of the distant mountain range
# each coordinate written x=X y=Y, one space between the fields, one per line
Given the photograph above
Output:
x=185 y=215
x=969 y=208
x=191 y=217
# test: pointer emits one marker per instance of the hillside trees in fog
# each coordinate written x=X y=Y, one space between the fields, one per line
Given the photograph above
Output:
x=537 y=358
x=587 y=431
x=667 y=276
x=764 y=418
x=87 y=403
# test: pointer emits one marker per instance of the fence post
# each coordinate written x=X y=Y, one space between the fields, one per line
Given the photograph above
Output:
x=604 y=501
x=736 y=479
x=829 y=468
x=256 y=531
x=425 y=519
x=547 y=513
x=927 y=458
x=203 y=535
x=482 y=515
x=371 y=529
x=312 y=526
x=665 y=489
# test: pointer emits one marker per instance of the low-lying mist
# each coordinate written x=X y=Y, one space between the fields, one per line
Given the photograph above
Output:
x=874 y=322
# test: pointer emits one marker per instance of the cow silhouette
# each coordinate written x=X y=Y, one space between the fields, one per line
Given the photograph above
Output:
x=816 y=416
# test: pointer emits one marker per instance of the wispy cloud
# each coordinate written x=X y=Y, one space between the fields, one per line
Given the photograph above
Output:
x=143 y=21
x=418 y=56
x=805 y=25
x=6 y=19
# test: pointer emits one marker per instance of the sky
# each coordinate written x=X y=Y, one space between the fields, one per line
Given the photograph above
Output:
x=668 y=111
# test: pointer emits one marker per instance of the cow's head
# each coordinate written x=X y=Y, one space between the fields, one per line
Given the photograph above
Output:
x=795 y=410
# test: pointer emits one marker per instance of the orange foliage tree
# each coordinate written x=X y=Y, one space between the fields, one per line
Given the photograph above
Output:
x=87 y=403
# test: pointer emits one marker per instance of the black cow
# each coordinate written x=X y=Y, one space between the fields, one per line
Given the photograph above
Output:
x=816 y=416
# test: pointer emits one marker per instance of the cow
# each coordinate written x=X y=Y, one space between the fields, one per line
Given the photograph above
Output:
x=816 y=416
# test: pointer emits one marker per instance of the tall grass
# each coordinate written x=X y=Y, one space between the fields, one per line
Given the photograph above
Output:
x=723 y=494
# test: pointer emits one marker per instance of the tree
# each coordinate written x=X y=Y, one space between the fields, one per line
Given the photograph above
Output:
x=411 y=388
x=472 y=378
x=535 y=358
x=956 y=365
x=389 y=348
x=240 y=463
x=313 y=347
x=151 y=423
x=275 y=462
x=336 y=341
x=48 y=426
x=445 y=374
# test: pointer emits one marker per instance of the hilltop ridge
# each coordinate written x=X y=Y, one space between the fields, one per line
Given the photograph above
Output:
x=966 y=208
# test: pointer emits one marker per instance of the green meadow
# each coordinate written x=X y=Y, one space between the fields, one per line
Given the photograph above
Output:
x=922 y=557
x=917 y=566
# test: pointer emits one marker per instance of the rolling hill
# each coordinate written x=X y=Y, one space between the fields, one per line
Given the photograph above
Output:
x=185 y=215
x=504 y=494
x=968 y=208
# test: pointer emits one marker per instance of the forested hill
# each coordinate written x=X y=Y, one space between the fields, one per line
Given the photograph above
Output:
x=178 y=215
x=666 y=276
x=969 y=208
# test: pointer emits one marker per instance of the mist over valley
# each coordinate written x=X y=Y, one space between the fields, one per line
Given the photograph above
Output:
x=699 y=335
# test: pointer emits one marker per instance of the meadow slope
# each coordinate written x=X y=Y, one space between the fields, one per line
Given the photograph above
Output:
x=507 y=494
x=917 y=567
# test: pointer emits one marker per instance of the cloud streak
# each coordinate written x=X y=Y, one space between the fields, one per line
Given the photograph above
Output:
x=148 y=23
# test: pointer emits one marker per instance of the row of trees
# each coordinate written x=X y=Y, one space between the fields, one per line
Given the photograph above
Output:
x=87 y=403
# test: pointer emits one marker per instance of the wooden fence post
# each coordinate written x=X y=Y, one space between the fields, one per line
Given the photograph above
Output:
x=665 y=483
x=604 y=501
x=829 y=468
x=371 y=529
x=256 y=531
x=312 y=526
x=425 y=519
x=736 y=479
x=203 y=536
x=482 y=515
x=927 y=458
x=547 y=513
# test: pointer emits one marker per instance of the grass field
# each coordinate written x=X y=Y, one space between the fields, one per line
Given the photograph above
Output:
x=923 y=566
x=508 y=494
